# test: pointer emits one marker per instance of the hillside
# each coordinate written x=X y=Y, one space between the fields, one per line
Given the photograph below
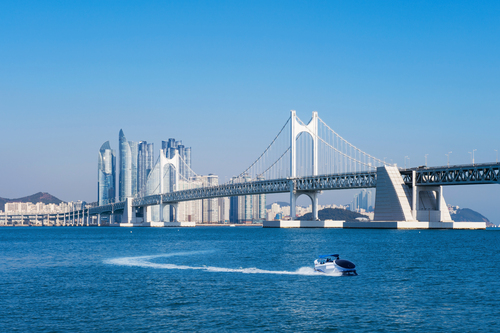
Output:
x=44 y=197
x=334 y=214
x=469 y=215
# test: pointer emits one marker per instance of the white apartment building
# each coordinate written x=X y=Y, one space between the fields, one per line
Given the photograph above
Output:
x=40 y=207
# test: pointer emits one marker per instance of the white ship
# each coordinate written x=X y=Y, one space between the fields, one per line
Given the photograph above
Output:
x=331 y=263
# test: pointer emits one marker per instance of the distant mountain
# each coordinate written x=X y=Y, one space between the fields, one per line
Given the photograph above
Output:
x=44 y=197
x=469 y=215
x=335 y=214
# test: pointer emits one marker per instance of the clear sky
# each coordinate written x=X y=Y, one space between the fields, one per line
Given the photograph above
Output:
x=394 y=78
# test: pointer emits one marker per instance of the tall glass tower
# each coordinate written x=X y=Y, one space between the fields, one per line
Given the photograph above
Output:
x=125 y=189
x=145 y=161
x=106 y=176
x=134 y=152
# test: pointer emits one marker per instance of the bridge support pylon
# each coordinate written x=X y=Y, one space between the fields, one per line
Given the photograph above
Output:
x=296 y=129
x=146 y=214
x=313 y=195
x=397 y=202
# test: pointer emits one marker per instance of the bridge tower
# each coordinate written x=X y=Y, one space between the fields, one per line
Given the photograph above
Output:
x=296 y=129
x=164 y=163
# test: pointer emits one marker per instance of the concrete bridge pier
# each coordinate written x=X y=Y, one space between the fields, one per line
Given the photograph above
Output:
x=397 y=202
x=430 y=204
x=175 y=207
x=146 y=214
x=162 y=212
x=313 y=195
x=413 y=206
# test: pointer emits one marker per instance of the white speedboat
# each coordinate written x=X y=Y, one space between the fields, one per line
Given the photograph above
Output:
x=331 y=263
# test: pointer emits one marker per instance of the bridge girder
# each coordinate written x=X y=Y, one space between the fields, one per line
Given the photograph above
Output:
x=314 y=183
x=109 y=208
x=433 y=176
x=455 y=175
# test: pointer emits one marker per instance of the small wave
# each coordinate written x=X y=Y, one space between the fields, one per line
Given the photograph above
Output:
x=146 y=261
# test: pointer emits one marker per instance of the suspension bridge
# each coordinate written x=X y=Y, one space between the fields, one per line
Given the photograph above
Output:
x=306 y=159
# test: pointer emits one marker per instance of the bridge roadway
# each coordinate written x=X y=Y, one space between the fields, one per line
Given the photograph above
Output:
x=487 y=173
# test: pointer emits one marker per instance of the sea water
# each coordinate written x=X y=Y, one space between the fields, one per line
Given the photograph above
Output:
x=216 y=279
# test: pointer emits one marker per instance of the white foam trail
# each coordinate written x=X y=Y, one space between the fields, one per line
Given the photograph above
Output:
x=145 y=261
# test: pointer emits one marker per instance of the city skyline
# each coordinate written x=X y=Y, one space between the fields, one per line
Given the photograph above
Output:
x=409 y=83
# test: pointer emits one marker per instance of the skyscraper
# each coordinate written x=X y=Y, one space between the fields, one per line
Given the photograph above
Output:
x=134 y=152
x=145 y=161
x=247 y=207
x=210 y=206
x=362 y=200
x=137 y=172
x=106 y=176
x=128 y=167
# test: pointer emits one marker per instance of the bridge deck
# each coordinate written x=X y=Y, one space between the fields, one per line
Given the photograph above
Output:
x=488 y=173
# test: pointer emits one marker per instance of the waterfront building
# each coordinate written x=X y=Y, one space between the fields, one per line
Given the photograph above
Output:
x=125 y=186
x=106 y=175
x=137 y=173
x=247 y=208
x=128 y=167
x=210 y=206
x=190 y=211
x=145 y=163
x=187 y=159
x=224 y=208
x=134 y=153
x=362 y=200
x=42 y=208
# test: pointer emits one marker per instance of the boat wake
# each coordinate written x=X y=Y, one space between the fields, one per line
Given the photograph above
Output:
x=148 y=262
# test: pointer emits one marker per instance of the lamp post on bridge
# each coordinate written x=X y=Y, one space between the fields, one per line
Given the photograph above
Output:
x=448 y=155
x=405 y=160
x=472 y=155
x=496 y=161
x=426 y=159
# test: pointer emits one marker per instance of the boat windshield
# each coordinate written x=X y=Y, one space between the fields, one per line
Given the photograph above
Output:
x=328 y=255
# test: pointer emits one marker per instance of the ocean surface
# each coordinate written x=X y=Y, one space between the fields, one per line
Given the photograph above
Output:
x=217 y=279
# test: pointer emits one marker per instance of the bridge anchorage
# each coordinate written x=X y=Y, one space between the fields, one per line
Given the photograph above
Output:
x=306 y=159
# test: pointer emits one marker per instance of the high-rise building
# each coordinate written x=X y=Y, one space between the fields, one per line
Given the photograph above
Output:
x=125 y=185
x=224 y=206
x=145 y=162
x=137 y=173
x=187 y=159
x=210 y=206
x=190 y=211
x=362 y=200
x=128 y=167
x=106 y=176
x=134 y=150
x=247 y=208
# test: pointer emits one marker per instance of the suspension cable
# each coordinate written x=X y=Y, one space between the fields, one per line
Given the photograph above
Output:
x=268 y=147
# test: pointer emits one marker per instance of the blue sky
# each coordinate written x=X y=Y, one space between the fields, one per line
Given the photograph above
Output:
x=394 y=78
